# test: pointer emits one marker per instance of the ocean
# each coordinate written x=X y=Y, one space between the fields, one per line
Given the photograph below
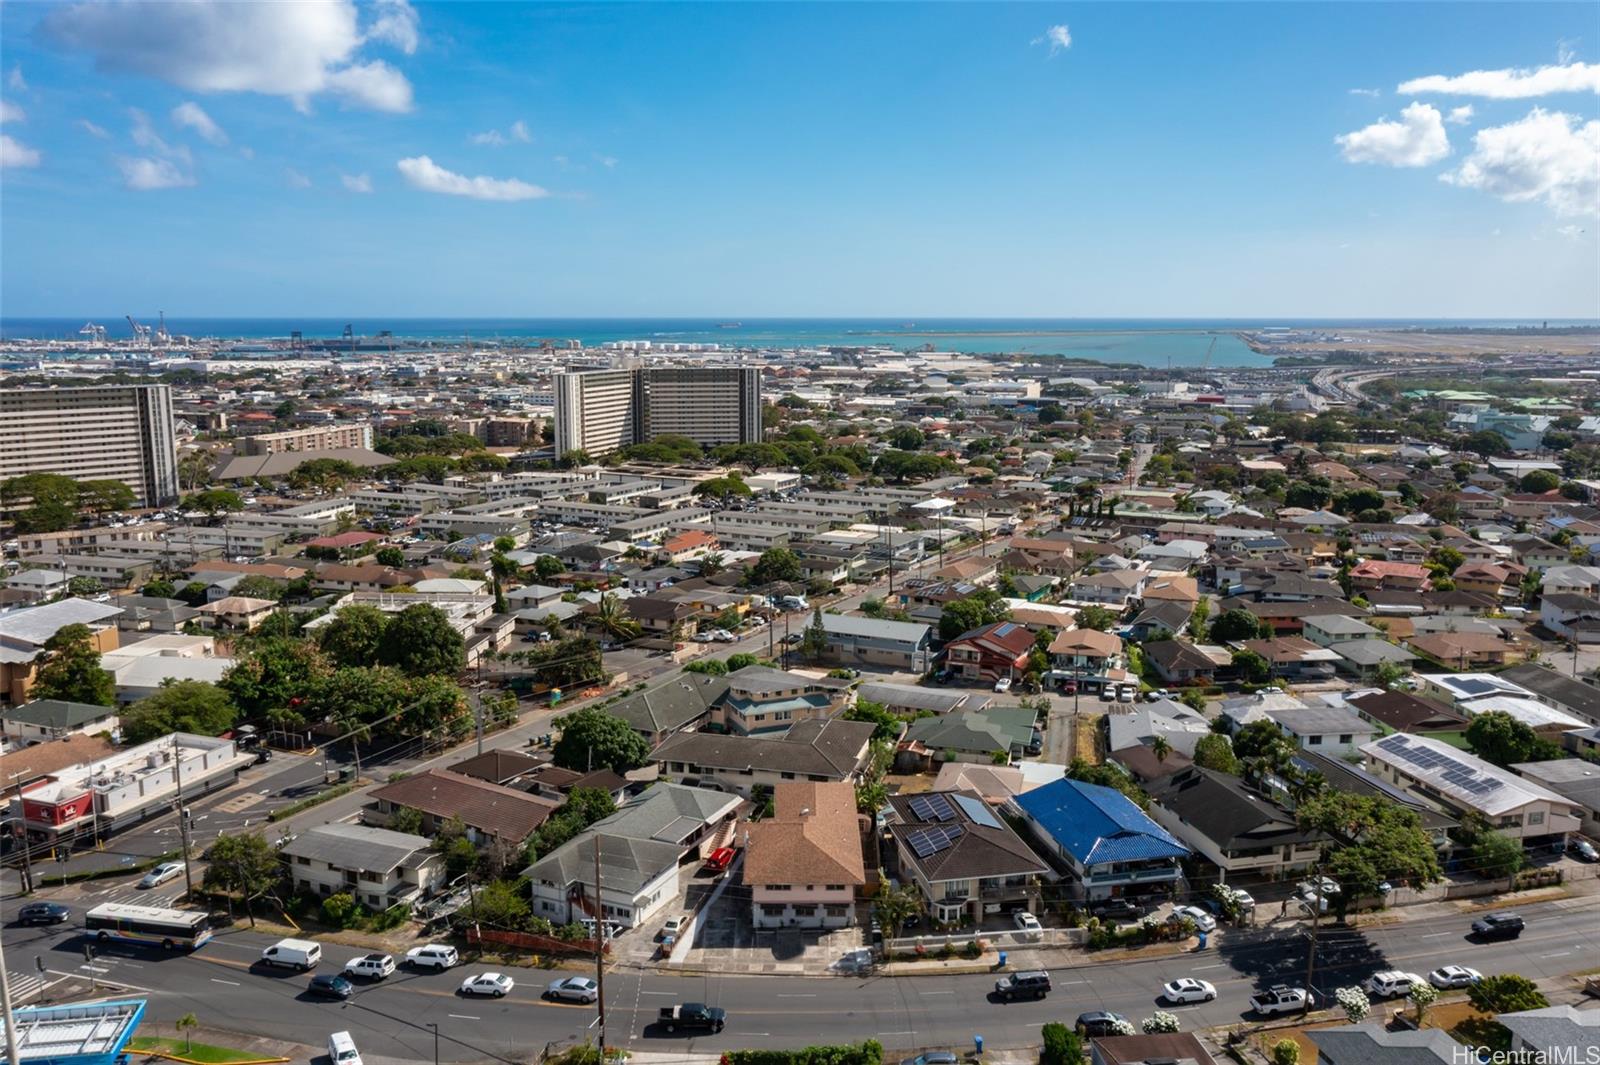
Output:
x=1155 y=342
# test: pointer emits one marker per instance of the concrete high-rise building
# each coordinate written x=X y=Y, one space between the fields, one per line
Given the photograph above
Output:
x=315 y=438
x=99 y=432
x=598 y=411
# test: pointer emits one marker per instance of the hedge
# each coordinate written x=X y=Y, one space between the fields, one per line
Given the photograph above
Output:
x=867 y=1053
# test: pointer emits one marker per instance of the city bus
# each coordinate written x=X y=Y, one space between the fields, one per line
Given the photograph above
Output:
x=172 y=929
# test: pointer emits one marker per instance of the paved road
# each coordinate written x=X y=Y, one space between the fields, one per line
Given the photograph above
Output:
x=223 y=987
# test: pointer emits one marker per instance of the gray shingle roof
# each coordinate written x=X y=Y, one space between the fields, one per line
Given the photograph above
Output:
x=1370 y=1044
x=356 y=847
x=828 y=749
x=56 y=713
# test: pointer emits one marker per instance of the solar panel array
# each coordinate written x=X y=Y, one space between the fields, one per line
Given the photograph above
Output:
x=1449 y=769
x=925 y=842
x=931 y=808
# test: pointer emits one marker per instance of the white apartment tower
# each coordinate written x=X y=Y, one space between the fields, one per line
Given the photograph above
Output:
x=98 y=432
x=598 y=411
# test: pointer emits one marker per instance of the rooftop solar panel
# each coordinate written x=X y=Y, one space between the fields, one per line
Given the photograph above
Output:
x=977 y=811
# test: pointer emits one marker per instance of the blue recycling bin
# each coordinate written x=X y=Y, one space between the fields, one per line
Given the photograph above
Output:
x=1203 y=938
x=977 y=1041
x=1002 y=959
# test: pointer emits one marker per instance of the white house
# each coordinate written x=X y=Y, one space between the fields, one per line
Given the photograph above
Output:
x=376 y=866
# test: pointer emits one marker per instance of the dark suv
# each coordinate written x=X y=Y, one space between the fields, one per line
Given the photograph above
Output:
x=1034 y=983
x=1498 y=926
x=1100 y=1024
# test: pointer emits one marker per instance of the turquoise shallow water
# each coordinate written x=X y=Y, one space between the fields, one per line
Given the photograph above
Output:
x=1147 y=342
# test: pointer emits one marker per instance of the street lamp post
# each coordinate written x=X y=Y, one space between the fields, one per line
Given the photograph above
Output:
x=435 y=1026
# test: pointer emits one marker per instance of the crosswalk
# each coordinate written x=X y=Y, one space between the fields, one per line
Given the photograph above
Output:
x=25 y=987
x=164 y=897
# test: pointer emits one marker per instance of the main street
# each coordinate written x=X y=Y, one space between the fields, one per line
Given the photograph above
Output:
x=222 y=985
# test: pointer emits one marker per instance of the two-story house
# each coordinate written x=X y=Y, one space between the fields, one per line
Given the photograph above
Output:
x=815 y=750
x=963 y=858
x=1229 y=824
x=375 y=866
x=804 y=864
x=1084 y=656
x=761 y=700
x=990 y=652
x=1111 y=846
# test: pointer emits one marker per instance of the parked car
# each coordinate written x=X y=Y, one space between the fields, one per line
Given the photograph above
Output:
x=719 y=860
x=1155 y=695
x=1202 y=920
x=1583 y=850
x=674 y=927
x=330 y=985
x=1281 y=999
x=1391 y=983
x=1498 y=926
x=1322 y=885
x=43 y=913
x=1450 y=977
x=1032 y=983
x=495 y=985
x=1188 y=989
x=161 y=874
x=1003 y=684
x=573 y=989
x=1116 y=909
x=1029 y=925
x=1125 y=693
x=370 y=966
x=436 y=956
x=1099 y=1024
x=935 y=1057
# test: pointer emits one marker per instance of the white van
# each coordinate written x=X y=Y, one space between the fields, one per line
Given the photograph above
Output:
x=300 y=954
x=342 y=1049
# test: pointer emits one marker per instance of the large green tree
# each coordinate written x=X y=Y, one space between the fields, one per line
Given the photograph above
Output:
x=193 y=706
x=885 y=725
x=593 y=739
x=1213 y=751
x=214 y=501
x=1506 y=993
x=355 y=635
x=776 y=564
x=71 y=670
x=1233 y=625
x=421 y=641
x=964 y=615
x=1371 y=841
x=272 y=680
x=41 y=502
x=1498 y=737
x=244 y=865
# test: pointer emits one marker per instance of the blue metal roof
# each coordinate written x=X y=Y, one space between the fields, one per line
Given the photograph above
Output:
x=1097 y=825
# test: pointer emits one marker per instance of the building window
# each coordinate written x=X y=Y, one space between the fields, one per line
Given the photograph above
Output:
x=1536 y=818
x=1315 y=741
x=805 y=910
x=835 y=887
x=773 y=910
x=836 y=911
x=778 y=887
x=1345 y=737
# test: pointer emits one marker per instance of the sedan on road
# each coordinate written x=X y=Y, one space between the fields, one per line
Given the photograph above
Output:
x=43 y=913
x=1101 y=1023
x=161 y=874
x=496 y=985
x=324 y=985
x=1202 y=920
x=573 y=989
x=1449 y=977
x=1189 y=989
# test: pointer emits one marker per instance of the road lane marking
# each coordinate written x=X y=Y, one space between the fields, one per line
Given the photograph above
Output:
x=1198 y=968
x=1438 y=935
x=235 y=983
x=665 y=994
x=1557 y=954
x=797 y=996
x=934 y=992
x=465 y=1017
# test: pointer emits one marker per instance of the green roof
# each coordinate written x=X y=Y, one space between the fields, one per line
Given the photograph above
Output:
x=56 y=713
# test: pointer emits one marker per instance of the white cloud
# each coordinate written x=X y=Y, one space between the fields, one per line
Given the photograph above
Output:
x=1570 y=232
x=493 y=138
x=145 y=136
x=93 y=130
x=295 y=50
x=190 y=116
x=16 y=154
x=1369 y=93
x=1459 y=116
x=295 y=179
x=361 y=183
x=423 y=173
x=10 y=112
x=1564 y=50
x=1511 y=83
x=145 y=174
x=607 y=161
x=396 y=24
x=1059 y=38
x=1416 y=140
x=1548 y=157
x=15 y=81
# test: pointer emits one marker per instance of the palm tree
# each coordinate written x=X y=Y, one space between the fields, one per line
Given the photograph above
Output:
x=187 y=1024
x=194 y=469
x=1161 y=748
x=711 y=564
x=613 y=622
x=894 y=906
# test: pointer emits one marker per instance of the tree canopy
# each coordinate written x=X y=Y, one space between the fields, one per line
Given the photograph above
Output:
x=963 y=615
x=421 y=641
x=1213 y=751
x=776 y=564
x=1371 y=841
x=593 y=739
x=71 y=671
x=1498 y=737
x=193 y=706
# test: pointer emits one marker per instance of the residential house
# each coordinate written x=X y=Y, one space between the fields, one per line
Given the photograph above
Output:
x=1576 y=580
x=898 y=645
x=680 y=705
x=761 y=700
x=819 y=751
x=1140 y=724
x=1374 y=1044
x=993 y=735
x=1107 y=844
x=910 y=699
x=1325 y=630
x=1375 y=574
x=23 y=634
x=1576 y=779
x=489 y=811
x=1466 y=650
x=1085 y=656
x=37 y=585
x=981 y=571
x=1571 y=616
x=238 y=612
x=1176 y=1048
x=1487 y=578
x=1180 y=662
x=1555 y=689
x=1160 y=619
x=1114 y=588
x=1554 y=1033
x=1331 y=730
x=804 y=864
x=43 y=720
x=1397 y=711
x=1294 y=658
x=378 y=868
x=1461 y=783
x=990 y=652
x=1231 y=825
x=962 y=857
x=1341 y=775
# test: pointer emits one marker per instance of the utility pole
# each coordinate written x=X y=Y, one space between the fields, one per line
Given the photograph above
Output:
x=12 y=1053
x=183 y=816
x=600 y=948
x=1311 y=956
x=27 y=845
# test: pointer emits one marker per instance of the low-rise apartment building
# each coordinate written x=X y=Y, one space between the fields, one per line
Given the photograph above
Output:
x=377 y=867
x=804 y=865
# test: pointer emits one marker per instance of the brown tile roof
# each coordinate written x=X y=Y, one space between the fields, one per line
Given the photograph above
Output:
x=499 y=765
x=814 y=839
x=42 y=759
x=489 y=808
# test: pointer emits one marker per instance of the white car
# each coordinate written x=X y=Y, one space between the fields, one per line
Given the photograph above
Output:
x=573 y=989
x=1326 y=885
x=497 y=985
x=674 y=927
x=1188 y=989
x=1029 y=925
x=724 y=636
x=1243 y=898
x=1391 y=983
x=161 y=874
x=1202 y=920
x=436 y=956
x=1448 y=977
x=1003 y=684
x=371 y=966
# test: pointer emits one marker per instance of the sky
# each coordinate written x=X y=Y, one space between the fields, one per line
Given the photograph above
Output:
x=340 y=158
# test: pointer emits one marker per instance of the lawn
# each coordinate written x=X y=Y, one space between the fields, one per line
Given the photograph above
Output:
x=194 y=1051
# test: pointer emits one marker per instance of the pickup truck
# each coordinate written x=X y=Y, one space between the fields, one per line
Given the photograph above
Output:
x=692 y=1015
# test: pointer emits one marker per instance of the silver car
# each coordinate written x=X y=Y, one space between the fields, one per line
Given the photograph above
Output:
x=573 y=989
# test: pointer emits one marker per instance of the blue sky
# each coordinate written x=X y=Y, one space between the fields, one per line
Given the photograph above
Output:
x=1055 y=160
